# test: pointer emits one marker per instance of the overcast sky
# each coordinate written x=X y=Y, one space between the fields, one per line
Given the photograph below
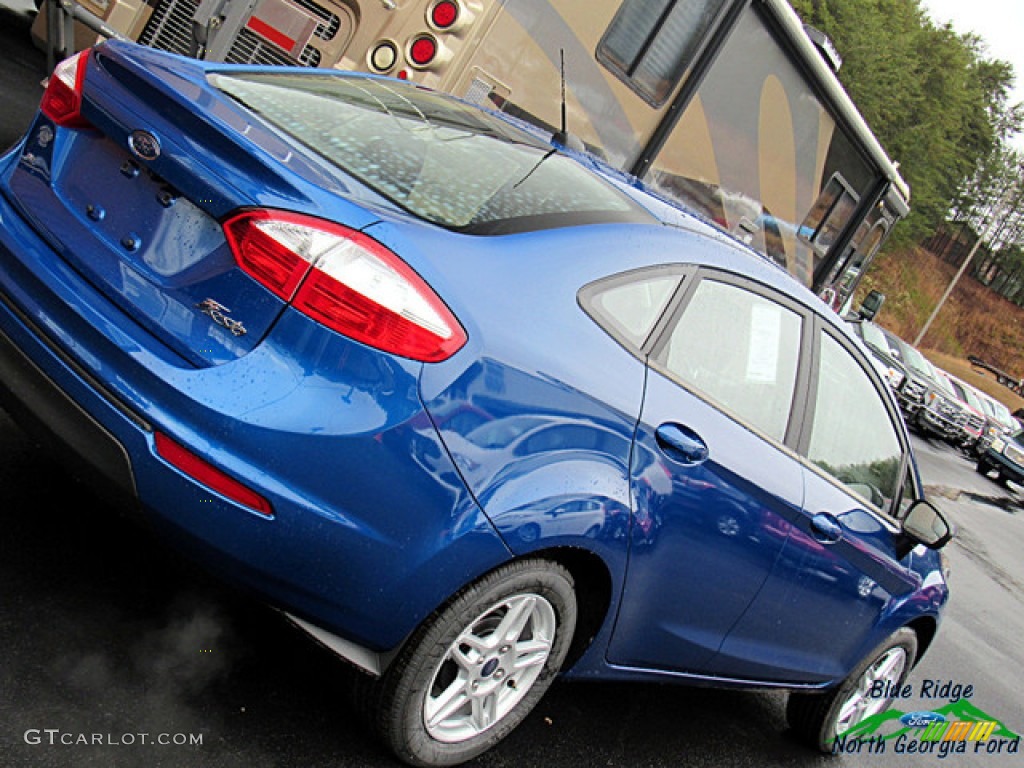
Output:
x=1000 y=23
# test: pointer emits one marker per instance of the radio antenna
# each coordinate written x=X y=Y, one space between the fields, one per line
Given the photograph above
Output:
x=563 y=136
x=561 y=56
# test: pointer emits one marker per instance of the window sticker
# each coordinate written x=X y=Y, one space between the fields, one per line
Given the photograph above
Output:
x=765 y=341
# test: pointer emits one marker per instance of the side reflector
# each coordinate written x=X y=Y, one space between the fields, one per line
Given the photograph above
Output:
x=62 y=100
x=206 y=474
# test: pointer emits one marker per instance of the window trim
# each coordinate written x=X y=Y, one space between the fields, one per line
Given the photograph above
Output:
x=846 y=189
x=585 y=300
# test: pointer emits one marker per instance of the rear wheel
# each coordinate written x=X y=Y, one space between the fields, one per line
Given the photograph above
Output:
x=983 y=467
x=476 y=668
x=819 y=718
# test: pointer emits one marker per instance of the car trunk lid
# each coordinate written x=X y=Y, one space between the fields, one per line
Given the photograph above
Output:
x=135 y=200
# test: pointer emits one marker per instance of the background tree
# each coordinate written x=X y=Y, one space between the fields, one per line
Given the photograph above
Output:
x=936 y=103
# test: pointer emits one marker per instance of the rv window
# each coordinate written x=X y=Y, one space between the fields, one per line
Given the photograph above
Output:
x=831 y=212
x=650 y=43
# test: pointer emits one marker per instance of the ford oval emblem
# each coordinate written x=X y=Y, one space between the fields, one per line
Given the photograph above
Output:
x=144 y=145
x=921 y=719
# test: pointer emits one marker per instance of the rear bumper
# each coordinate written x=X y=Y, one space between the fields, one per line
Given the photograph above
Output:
x=49 y=415
x=372 y=528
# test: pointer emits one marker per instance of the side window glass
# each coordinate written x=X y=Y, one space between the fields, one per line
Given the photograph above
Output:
x=739 y=349
x=629 y=306
x=853 y=438
x=650 y=43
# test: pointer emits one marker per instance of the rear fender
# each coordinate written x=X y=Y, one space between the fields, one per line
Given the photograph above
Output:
x=543 y=504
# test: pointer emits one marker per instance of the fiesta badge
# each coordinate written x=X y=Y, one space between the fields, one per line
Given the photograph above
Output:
x=144 y=145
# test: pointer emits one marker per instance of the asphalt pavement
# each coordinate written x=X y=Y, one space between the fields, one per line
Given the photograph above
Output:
x=106 y=632
x=22 y=70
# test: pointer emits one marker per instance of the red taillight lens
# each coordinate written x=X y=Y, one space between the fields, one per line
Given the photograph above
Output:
x=346 y=281
x=422 y=50
x=275 y=249
x=444 y=14
x=206 y=474
x=62 y=100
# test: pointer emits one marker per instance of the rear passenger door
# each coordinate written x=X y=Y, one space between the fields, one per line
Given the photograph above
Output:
x=723 y=378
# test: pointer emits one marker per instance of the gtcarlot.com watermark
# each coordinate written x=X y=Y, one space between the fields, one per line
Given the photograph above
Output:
x=54 y=737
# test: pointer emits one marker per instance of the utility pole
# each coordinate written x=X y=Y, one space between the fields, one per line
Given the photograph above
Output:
x=993 y=221
x=959 y=273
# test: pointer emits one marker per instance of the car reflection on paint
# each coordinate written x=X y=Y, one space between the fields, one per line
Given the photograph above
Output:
x=552 y=451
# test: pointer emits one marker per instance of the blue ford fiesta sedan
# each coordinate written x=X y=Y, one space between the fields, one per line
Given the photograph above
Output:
x=470 y=411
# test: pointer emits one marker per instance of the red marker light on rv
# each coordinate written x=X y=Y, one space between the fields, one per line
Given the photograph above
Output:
x=422 y=50
x=444 y=14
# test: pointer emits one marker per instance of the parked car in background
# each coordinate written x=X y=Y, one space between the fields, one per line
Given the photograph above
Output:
x=1004 y=455
x=928 y=402
x=277 y=308
x=998 y=422
x=943 y=416
x=917 y=371
x=972 y=423
x=888 y=364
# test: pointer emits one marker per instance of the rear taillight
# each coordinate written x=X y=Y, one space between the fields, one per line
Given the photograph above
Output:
x=276 y=249
x=62 y=100
x=346 y=281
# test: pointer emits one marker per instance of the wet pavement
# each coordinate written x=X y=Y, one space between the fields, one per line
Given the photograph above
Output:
x=22 y=69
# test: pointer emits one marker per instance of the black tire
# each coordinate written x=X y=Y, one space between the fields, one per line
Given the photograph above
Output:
x=815 y=718
x=983 y=467
x=430 y=666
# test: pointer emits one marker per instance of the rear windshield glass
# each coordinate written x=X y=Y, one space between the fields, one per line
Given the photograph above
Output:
x=437 y=158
